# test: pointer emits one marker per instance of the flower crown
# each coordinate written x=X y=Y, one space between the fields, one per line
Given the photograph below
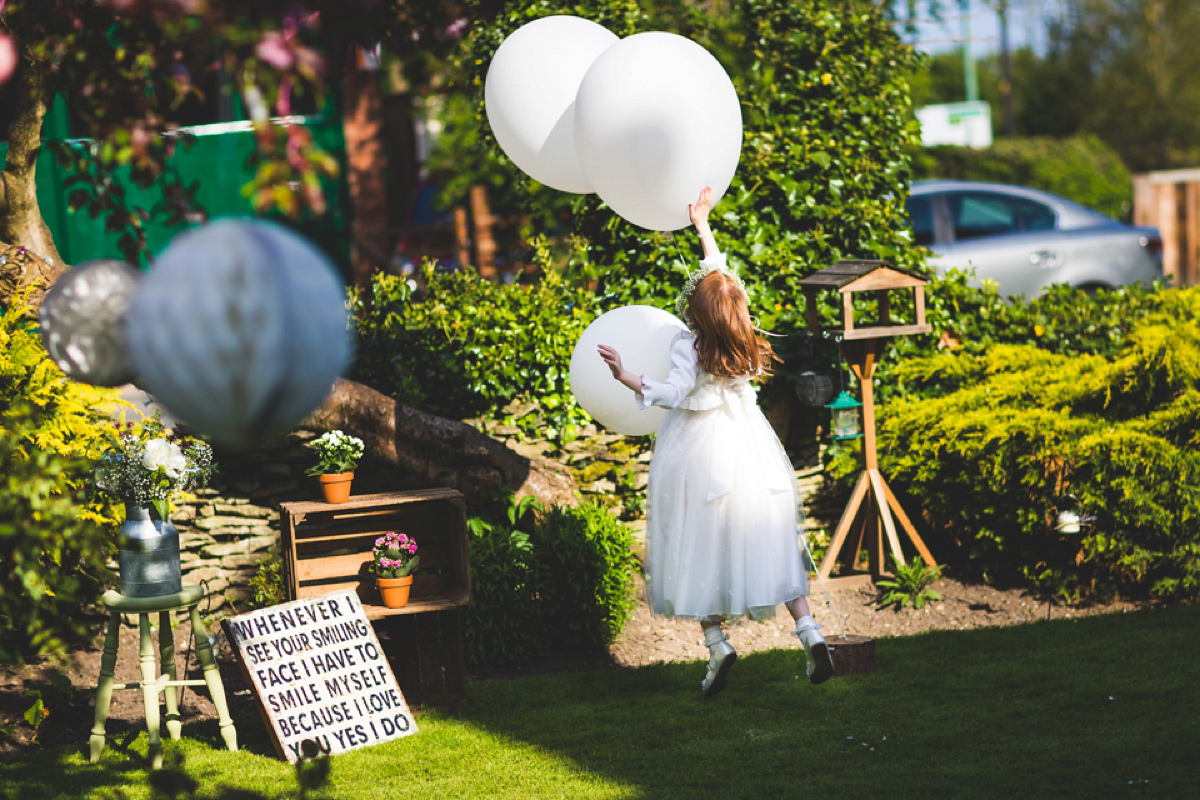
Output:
x=715 y=263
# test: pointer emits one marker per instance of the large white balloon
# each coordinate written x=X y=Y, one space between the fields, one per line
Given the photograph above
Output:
x=529 y=95
x=239 y=330
x=642 y=335
x=656 y=120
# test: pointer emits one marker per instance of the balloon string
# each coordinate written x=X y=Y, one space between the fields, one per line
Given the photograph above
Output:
x=679 y=254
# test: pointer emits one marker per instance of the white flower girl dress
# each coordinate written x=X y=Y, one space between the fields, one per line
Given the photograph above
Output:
x=722 y=532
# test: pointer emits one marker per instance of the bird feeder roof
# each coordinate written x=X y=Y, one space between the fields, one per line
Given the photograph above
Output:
x=859 y=275
x=863 y=275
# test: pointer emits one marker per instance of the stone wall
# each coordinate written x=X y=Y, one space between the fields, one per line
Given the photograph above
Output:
x=221 y=542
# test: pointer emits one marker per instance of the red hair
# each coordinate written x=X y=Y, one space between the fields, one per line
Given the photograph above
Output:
x=726 y=343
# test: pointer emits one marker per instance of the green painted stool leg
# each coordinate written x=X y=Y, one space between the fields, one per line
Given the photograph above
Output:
x=166 y=654
x=104 y=687
x=150 y=689
x=212 y=678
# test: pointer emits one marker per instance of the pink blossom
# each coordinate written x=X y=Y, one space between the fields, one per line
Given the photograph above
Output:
x=274 y=50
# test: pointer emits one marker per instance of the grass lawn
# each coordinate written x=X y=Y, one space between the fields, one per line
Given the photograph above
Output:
x=1102 y=707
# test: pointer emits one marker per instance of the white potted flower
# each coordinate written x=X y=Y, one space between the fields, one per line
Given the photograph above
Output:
x=338 y=455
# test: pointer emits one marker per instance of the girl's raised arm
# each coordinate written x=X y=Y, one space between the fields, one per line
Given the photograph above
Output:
x=698 y=211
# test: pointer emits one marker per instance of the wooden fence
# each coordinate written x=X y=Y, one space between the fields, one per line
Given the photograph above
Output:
x=1170 y=201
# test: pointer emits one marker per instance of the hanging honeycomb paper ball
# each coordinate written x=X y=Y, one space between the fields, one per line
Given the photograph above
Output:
x=83 y=321
x=239 y=330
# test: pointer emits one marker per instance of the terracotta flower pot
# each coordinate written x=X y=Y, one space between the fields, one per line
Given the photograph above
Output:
x=394 y=591
x=336 y=487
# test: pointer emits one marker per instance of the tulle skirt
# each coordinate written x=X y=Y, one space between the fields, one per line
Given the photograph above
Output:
x=722 y=532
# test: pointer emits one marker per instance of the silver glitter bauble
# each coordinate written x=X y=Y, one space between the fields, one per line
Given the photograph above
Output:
x=239 y=330
x=83 y=321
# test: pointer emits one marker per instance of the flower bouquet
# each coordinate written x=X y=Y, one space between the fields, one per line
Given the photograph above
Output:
x=147 y=464
x=395 y=558
x=337 y=456
x=144 y=467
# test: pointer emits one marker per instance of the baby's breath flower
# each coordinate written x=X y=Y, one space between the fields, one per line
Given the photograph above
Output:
x=148 y=465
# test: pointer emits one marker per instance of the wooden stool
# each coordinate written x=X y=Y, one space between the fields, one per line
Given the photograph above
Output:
x=151 y=684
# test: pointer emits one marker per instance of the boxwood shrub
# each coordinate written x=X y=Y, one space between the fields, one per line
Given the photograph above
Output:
x=463 y=347
x=558 y=582
x=53 y=540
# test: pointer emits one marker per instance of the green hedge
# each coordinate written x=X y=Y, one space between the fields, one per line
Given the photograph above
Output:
x=1082 y=168
x=464 y=347
x=824 y=168
x=1015 y=427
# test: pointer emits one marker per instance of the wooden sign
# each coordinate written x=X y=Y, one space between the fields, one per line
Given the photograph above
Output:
x=319 y=673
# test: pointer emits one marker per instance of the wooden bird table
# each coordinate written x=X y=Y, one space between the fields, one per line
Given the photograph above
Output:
x=868 y=517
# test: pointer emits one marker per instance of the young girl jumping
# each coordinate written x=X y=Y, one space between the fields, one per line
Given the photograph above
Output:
x=722 y=533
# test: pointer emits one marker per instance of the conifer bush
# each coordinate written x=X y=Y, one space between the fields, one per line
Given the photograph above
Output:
x=53 y=541
x=1016 y=428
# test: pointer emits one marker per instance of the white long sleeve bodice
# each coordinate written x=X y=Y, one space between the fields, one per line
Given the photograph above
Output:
x=689 y=387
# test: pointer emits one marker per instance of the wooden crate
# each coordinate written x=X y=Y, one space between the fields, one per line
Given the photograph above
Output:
x=426 y=654
x=328 y=547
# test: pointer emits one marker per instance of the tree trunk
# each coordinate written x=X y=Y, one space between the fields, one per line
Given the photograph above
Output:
x=441 y=451
x=366 y=172
x=32 y=258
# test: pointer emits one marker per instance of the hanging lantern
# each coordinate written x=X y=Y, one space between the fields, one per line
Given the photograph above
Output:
x=1069 y=520
x=845 y=417
x=239 y=330
x=814 y=389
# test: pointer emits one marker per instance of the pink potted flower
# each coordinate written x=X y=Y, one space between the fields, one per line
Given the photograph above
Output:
x=395 y=559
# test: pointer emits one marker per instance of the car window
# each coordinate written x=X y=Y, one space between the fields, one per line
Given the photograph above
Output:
x=1036 y=217
x=978 y=214
x=920 y=216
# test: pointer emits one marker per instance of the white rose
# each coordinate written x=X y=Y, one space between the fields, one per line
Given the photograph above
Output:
x=161 y=453
x=176 y=461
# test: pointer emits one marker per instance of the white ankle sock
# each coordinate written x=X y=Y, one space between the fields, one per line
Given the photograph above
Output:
x=714 y=635
x=806 y=622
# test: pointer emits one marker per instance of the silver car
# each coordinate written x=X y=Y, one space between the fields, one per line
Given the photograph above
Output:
x=1025 y=239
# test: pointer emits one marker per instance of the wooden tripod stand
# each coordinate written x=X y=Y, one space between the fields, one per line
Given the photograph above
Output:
x=869 y=513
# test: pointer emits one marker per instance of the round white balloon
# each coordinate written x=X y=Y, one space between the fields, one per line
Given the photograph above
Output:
x=656 y=120
x=239 y=330
x=643 y=336
x=529 y=96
